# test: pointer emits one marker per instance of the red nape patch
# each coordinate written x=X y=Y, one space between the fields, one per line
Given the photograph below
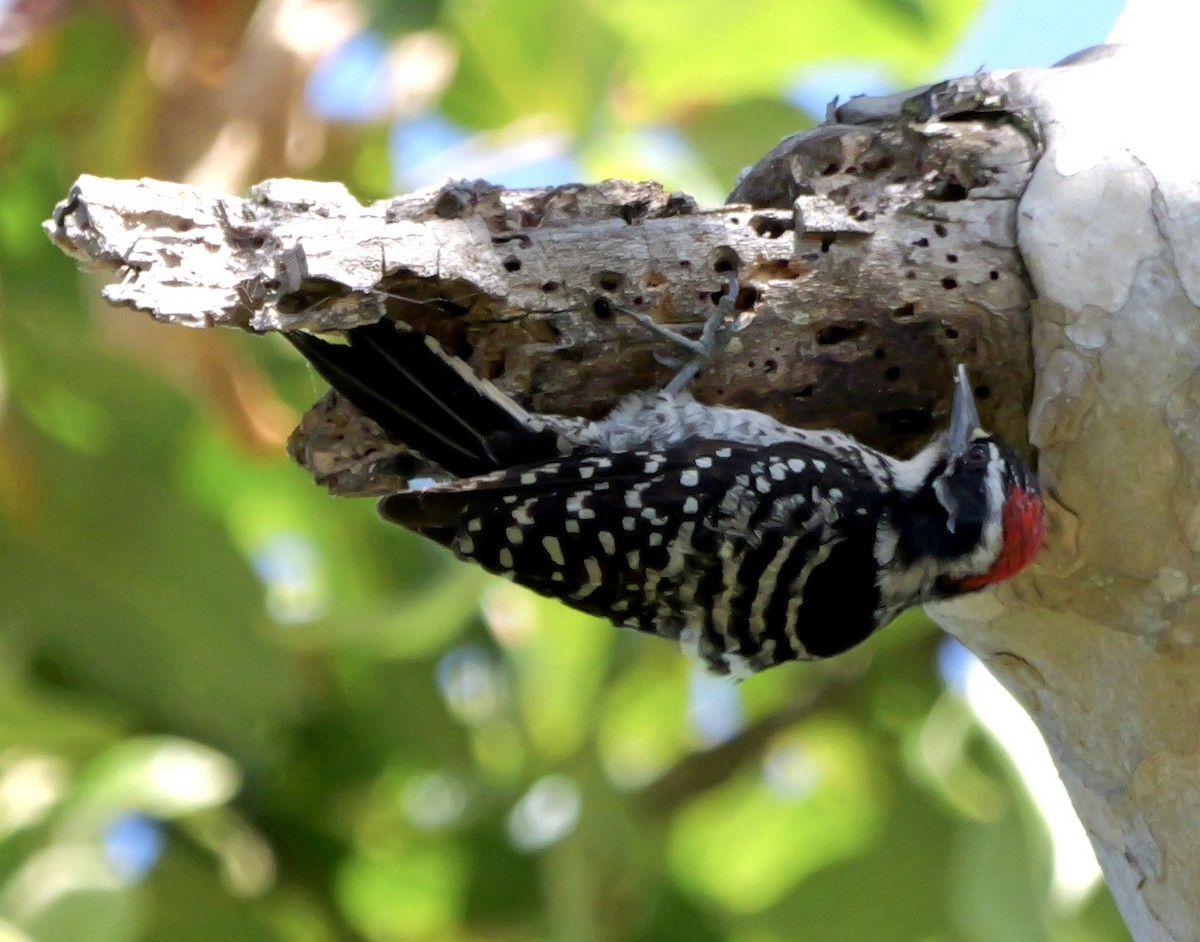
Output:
x=1024 y=534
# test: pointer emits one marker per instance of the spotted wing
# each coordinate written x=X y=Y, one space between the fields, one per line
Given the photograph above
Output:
x=756 y=560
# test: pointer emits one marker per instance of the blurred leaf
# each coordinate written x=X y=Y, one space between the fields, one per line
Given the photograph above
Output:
x=746 y=843
x=390 y=17
x=67 y=893
x=937 y=755
x=21 y=212
x=675 y=918
x=72 y=67
x=895 y=891
x=731 y=136
x=999 y=879
x=412 y=625
x=509 y=49
x=668 y=68
x=371 y=175
x=58 y=723
x=560 y=664
x=162 y=776
x=150 y=600
x=502 y=887
x=191 y=905
x=1100 y=918
x=10 y=933
x=413 y=894
x=643 y=729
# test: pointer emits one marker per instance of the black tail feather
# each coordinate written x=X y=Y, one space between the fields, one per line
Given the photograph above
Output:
x=425 y=399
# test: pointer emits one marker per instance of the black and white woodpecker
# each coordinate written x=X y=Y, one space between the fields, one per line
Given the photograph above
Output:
x=749 y=541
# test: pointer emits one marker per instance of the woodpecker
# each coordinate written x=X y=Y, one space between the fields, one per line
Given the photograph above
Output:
x=749 y=541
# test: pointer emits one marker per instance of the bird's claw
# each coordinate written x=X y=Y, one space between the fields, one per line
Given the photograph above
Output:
x=671 y=363
x=721 y=326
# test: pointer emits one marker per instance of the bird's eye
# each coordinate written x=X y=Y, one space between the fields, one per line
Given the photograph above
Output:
x=977 y=456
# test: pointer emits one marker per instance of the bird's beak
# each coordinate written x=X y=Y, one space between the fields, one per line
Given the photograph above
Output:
x=964 y=417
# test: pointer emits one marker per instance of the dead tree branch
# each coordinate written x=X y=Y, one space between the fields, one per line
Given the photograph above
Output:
x=874 y=255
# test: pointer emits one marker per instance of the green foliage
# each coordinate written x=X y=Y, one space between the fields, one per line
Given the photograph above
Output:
x=809 y=804
x=336 y=732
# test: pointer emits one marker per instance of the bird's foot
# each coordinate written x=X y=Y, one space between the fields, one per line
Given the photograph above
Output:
x=719 y=329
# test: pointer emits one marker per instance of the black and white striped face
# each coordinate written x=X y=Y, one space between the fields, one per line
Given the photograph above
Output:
x=754 y=558
x=963 y=519
x=995 y=516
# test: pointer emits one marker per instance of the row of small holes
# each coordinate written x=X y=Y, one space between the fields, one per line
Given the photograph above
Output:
x=611 y=281
x=947 y=283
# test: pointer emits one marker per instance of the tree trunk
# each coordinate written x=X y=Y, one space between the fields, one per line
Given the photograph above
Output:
x=876 y=252
x=1099 y=642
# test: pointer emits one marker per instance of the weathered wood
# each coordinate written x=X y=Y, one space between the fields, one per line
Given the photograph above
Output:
x=875 y=256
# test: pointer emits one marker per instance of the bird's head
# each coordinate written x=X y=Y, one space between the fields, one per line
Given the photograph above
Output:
x=983 y=519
